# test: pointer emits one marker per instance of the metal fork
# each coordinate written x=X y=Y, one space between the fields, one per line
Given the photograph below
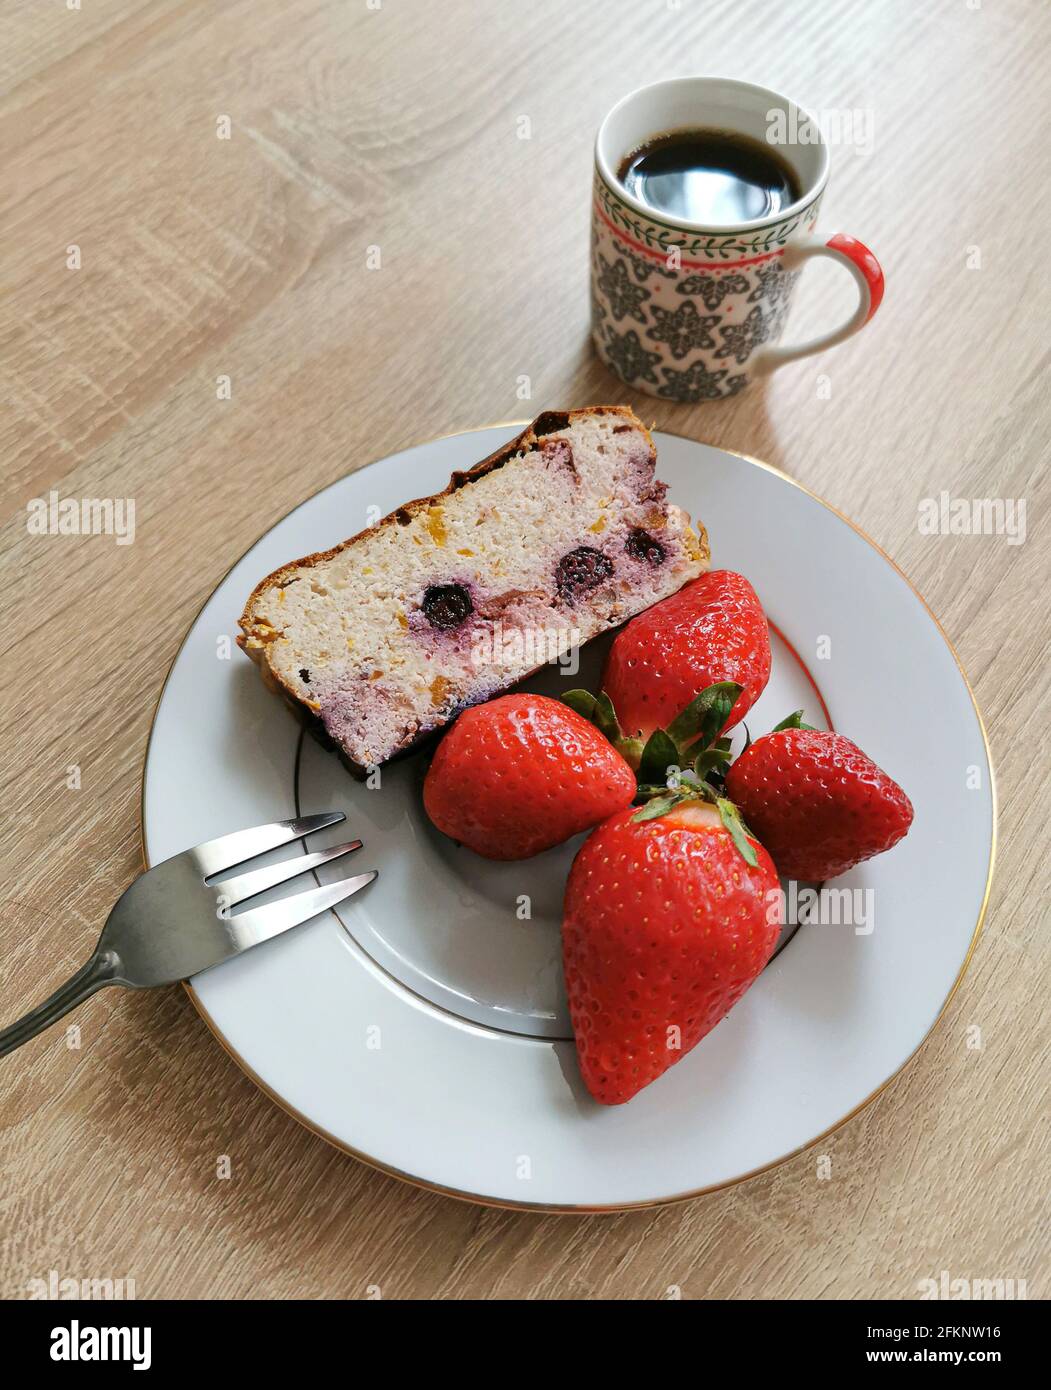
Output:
x=172 y=923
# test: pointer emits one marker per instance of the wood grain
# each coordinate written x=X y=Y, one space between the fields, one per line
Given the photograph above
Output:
x=397 y=127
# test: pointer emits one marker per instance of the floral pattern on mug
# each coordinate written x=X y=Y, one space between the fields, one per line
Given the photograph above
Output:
x=740 y=340
x=674 y=312
x=773 y=283
x=696 y=383
x=623 y=297
x=713 y=289
x=628 y=355
x=682 y=329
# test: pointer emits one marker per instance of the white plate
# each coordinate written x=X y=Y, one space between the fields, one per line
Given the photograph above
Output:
x=426 y=1032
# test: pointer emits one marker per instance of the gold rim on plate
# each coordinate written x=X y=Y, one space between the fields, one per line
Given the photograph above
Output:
x=583 y=1210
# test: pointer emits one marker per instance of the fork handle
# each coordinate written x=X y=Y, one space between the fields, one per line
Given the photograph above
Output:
x=100 y=970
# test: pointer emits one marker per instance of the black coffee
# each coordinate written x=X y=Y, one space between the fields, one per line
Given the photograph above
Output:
x=711 y=177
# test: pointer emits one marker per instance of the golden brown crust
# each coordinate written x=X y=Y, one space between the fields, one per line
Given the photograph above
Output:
x=549 y=422
x=258 y=634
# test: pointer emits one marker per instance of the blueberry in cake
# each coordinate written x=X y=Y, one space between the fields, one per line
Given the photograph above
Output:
x=452 y=599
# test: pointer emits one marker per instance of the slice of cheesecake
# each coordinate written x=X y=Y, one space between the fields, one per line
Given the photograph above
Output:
x=556 y=537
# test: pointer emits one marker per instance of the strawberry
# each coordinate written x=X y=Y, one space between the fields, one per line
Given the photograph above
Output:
x=522 y=773
x=816 y=801
x=666 y=923
x=713 y=630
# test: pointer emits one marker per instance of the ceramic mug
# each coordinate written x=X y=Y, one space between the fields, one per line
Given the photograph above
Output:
x=692 y=313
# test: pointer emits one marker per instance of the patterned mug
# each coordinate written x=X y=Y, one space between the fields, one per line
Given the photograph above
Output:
x=693 y=313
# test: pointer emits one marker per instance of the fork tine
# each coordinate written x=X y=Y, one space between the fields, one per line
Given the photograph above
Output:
x=237 y=890
x=262 y=923
x=230 y=850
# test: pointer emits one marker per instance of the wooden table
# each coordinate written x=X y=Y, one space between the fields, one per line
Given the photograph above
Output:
x=354 y=126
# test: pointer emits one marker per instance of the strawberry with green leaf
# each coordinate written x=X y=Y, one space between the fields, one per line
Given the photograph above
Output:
x=713 y=632
x=519 y=774
x=819 y=804
x=669 y=916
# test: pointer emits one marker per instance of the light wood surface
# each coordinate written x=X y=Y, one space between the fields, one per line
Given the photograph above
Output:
x=398 y=127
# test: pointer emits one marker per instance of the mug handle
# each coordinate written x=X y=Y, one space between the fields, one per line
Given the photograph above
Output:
x=865 y=269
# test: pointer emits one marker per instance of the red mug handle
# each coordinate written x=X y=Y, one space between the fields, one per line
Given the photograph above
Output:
x=866 y=271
